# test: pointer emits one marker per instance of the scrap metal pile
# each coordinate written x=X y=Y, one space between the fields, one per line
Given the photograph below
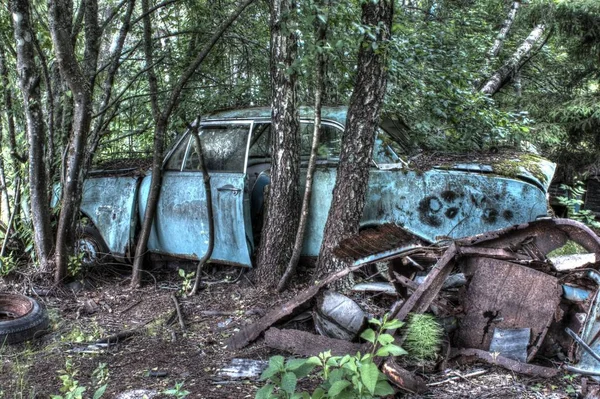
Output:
x=512 y=304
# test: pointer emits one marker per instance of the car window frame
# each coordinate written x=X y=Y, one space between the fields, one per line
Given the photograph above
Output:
x=188 y=135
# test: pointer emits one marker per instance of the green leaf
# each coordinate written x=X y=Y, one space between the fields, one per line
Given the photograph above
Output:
x=100 y=391
x=385 y=339
x=336 y=375
x=393 y=350
x=375 y=321
x=383 y=388
x=265 y=392
x=318 y=393
x=304 y=370
x=288 y=382
x=369 y=375
x=392 y=324
x=314 y=360
x=368 y=335
x=269 y=372
x=293 y=364
x=337 y=387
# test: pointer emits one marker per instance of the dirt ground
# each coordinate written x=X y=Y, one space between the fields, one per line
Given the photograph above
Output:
x=161 y=355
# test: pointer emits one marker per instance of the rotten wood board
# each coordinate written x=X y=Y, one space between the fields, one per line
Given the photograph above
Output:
x=303 y=343
x=508 y=296
x=471 y=355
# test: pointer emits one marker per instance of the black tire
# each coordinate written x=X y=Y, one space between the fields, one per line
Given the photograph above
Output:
x=91 y=244
x=21 y=319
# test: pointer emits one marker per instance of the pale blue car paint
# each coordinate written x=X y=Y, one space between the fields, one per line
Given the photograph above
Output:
x=110 y=204
x=438 y=204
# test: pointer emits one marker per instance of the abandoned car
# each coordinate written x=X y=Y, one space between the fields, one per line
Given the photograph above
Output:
x=444 y=200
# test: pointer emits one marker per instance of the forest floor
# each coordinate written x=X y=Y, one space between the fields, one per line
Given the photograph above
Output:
x=162 y=355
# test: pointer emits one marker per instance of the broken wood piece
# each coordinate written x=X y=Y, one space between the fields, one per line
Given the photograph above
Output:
x=441 y=303
x=178 y=309
x=242 y=369
x=252 y=331
x=380 y=287
x=424 y=295
x=402 y=378
x=472 y=355
x=303 y=343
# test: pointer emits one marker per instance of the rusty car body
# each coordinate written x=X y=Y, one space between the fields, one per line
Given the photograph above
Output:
x=446 y=200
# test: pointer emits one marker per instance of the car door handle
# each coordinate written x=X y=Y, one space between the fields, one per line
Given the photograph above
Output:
x=229 y=187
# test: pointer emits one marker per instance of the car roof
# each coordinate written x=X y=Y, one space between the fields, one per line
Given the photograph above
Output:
x=336 y=114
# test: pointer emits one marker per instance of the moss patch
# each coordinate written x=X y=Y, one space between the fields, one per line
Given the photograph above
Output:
x=513 y=167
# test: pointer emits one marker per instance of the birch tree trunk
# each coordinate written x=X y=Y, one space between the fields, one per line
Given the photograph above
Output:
x=499 y=42
x=29 y=82
x=283 y=203
x=321 y=61
x=358 y=139
x=505 y=73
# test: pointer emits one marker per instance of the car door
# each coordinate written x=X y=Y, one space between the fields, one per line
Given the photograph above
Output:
x=180 y=226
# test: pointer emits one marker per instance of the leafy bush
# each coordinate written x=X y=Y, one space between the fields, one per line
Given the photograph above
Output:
x=71 y=388
x=340 y=376
x=574 y=201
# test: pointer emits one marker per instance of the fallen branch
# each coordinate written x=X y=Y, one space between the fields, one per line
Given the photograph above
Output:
x=457 y=377
x=178 y=309
x=128 y=308
x=249 y=312
x=471 y=355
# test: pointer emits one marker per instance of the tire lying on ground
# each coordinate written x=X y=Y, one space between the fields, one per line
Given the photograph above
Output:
x=21 y=319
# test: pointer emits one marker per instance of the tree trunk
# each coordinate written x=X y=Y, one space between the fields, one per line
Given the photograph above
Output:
x=159 y=128
x=505 y=73
x=108 y=84
x=4 y=204
x=499 y=42
x=29 y=82
x=358 y=139
x=321 y=60
x=161 y=121
x=283 y=204
x=80 y=79
x=10 y=119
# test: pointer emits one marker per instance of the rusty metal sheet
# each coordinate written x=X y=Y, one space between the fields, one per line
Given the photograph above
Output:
x=508 y=296
x=376 y=240
x=546 y=234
